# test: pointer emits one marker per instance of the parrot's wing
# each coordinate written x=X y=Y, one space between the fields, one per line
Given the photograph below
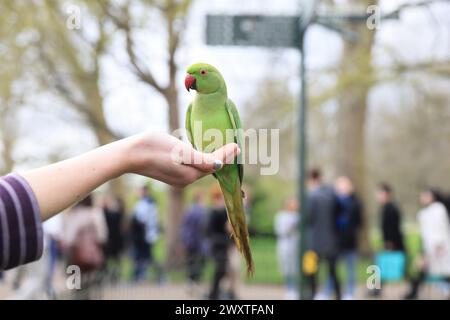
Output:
x=189 y=129
x=236 y=123
x=188 y=125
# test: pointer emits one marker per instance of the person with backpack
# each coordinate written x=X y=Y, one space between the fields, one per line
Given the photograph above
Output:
x=84 y=234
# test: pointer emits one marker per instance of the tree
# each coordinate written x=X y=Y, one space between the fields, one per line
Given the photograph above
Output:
x=71 y=66
x=13 y=64
x=408 y=146
x=357 y=73
x=174 y=14
x=275 y=98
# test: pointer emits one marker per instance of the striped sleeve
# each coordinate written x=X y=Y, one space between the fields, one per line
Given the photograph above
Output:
x=21 y=234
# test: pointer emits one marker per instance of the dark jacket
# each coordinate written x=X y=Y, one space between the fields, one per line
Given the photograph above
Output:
x=218 y=236
x=348 y=221
x=193 y=228
x=320 y=221
x=115 y=241
x=390 y=226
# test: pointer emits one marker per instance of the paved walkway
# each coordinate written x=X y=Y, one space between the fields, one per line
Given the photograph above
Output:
x=150 y=291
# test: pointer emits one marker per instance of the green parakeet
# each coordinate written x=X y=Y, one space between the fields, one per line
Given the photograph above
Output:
x=212 y=109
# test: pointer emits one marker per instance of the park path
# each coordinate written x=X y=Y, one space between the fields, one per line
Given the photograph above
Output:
x=180 y=291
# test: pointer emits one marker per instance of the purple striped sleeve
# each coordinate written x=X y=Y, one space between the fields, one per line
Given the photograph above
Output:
x=21 y=234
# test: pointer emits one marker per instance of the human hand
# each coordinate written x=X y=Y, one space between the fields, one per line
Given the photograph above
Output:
x=165 y=158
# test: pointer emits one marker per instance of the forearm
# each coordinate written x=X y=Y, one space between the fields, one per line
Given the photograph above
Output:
x=150 y=154
x=51 y=189
x=58 y=186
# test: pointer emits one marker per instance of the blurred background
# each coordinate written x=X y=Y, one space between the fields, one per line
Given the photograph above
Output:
x=78 y=74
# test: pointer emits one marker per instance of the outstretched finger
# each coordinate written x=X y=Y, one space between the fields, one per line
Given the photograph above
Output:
x=211 y=162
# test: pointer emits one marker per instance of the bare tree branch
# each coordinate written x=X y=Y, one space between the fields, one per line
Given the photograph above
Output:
x=122 y=23
x=68 y=94
x=404 y=6
x=440 y=68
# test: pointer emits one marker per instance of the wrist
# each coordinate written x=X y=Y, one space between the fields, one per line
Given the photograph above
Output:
x=118 y=155
x=136 y=153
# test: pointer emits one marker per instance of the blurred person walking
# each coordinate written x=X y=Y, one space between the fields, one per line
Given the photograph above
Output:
x=234 y=268
x=219 y=242
x=434 y=226
x=286 y=230
x=390 y=226
x=145 y=230
x=349 y=220
x=321 y=233
x=114 y=211
x=391 y=219
x=348 y=223
x=53 y=233
x=84 y=234
x=193 y=236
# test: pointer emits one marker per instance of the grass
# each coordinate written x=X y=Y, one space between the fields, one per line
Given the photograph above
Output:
x=267 y=270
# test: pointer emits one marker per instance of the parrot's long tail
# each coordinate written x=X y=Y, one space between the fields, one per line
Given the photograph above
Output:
x=236 y=216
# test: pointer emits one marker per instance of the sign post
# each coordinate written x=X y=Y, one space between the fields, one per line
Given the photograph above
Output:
x=272 y=32
x=288 y=32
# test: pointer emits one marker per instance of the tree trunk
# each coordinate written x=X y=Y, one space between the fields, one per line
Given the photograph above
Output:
x=7 y=159
x=357 y=73
x=104 y=136
x=175 y=209
x=8 y=135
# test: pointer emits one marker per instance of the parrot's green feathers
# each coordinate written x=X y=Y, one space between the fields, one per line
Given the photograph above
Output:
x=196 y=67
x=213 y=110
x=188 y=125
x=207 y=78
x=236 y=123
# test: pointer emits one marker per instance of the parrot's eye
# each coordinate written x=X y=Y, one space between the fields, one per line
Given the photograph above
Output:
x=203 y=72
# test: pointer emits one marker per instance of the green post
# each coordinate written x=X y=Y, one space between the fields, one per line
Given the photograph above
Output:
x=302 y=150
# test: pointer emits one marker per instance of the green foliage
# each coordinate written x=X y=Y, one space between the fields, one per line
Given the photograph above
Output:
x=267 y=269
x=265 y=257
x=267 y=194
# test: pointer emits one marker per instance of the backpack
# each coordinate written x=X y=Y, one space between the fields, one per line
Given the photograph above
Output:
x=86 y=252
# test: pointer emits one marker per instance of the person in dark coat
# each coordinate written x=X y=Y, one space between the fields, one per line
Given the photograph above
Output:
x=193 y=238
x=390 y=223
x=348 y=223
x=114 y=212
x=390 y=219
x=321 y=233
x=219 y=241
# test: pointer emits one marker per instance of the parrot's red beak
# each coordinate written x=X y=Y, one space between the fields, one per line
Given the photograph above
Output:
x=189 y=82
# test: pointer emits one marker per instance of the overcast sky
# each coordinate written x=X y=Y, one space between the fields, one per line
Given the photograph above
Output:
x=131 y=107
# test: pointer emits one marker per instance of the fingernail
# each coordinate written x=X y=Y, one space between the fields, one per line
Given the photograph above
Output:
x=217 y=165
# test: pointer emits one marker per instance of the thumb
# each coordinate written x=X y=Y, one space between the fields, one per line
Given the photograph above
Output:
x=211 y=162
